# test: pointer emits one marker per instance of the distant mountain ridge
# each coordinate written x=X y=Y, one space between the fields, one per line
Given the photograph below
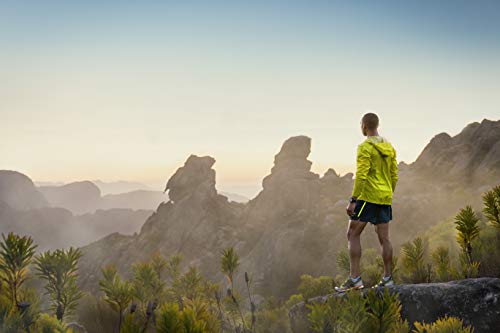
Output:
x=18 y=191
x=473 y=155
x=25 y=210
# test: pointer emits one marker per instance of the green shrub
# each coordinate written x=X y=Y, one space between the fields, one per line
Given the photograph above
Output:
x=416 y=268
x=355 y=313
x=443 y=325
x=310 y=287
x=48 y=324
x=491 y=210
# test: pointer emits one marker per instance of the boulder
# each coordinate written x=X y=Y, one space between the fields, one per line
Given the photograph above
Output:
x=475 y=301
x=196 y=175
x=75 y=327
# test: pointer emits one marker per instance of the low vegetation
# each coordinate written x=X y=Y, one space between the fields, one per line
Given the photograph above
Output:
x=161 y=297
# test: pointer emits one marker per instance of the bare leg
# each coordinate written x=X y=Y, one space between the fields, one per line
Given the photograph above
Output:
x=383 y=237
x=354 y=240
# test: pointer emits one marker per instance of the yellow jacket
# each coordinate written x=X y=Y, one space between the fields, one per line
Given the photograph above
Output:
x=376 y=171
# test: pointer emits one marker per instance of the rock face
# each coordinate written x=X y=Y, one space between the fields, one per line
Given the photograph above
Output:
x=195 y=177
x=475 y=301
x=471 y=156
x=197 y=223
x=19 y=192
x=282 y=233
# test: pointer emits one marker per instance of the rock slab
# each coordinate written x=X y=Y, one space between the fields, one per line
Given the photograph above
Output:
x=475 y=301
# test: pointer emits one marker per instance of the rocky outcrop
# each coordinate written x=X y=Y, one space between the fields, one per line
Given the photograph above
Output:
x=18 y=191
x=195 y=177
x=472 y=156
x=295 y=225
x=286 y=212
x=475 y=301
x=196 y=222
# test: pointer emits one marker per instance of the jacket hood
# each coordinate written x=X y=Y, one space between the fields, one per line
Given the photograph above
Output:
x=383 y=146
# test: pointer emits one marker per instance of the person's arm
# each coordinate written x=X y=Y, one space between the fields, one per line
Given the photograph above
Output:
x=363 y=163
x=394 y=171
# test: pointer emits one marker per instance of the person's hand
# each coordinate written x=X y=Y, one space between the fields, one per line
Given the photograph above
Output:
x=350 y=208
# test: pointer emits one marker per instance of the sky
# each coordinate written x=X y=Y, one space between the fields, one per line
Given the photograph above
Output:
x=127 y=90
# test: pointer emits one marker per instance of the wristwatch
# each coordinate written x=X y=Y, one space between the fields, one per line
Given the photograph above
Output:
x=352 y=200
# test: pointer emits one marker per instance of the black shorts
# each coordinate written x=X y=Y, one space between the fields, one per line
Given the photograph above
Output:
x=369 y=212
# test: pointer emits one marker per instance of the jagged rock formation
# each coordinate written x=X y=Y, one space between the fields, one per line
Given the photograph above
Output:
x=472 y=156
x=294 y=226
x=78 y=197
x=288 y=212
x=197 y=222
x=195 y=177
x=19 y=192
x=475 y=301
x=275 y=234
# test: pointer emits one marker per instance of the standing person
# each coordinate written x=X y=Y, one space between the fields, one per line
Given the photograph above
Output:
x=376 y=177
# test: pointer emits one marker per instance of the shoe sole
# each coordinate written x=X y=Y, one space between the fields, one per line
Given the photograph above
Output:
x=349 y=289
x=387 y=285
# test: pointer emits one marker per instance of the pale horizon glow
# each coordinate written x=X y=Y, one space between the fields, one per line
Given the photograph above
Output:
x=128 y=91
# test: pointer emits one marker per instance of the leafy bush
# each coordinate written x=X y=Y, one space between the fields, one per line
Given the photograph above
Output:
x=416 y=268
x=48 y=324
x=310 y=287
x=15 y=256
x=443 y=325
x=466 y=223
x=491 y=201
x=355 y=313
x=442 y=265
x=96 y=315
x=59 y=269
x=272 y=317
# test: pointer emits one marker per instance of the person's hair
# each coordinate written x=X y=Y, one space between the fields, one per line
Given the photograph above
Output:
x=370 y=120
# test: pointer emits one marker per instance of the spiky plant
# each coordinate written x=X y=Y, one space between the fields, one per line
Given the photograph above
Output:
x=384 y=311
x=466 y=224
x=250 y=300
x=59 y=269
x=343 y=262
x=229 y=264
x=159 y=264
x=173 y=267
x=146 y=285
x=47 y=323
x=16 y=253
x=353 y=317
x=446 y=324
x=318 y=317
x=169 y=319
x=189 y=285
x=117 y=292
x=441 y=260
x=491 y=210
x=414 y=261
